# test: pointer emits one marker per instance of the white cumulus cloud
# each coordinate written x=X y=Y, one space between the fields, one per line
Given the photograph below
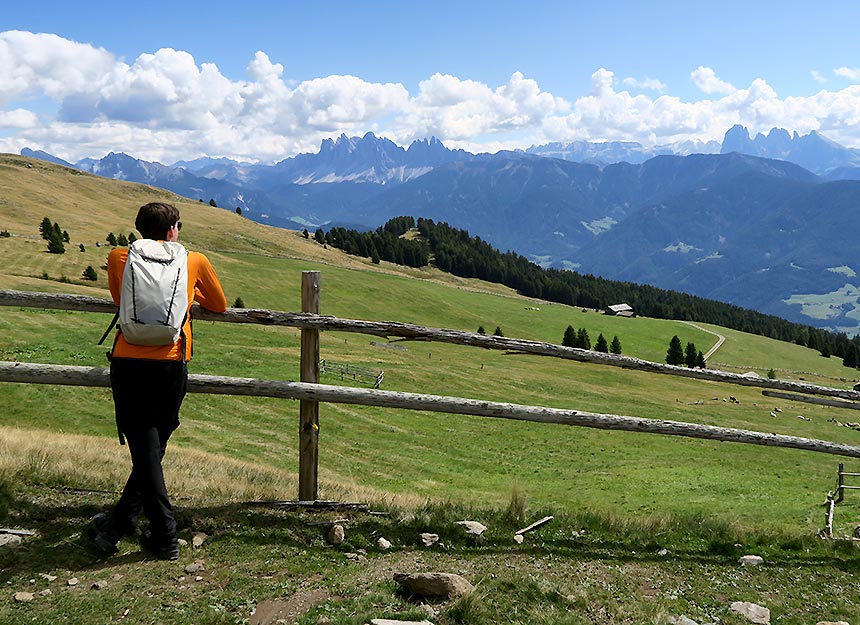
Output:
x=851 y=73
x=706 y=79
x=651 y=84
x=76 y=100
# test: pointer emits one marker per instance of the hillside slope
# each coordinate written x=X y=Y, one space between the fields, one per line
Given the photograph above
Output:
x=387 y=453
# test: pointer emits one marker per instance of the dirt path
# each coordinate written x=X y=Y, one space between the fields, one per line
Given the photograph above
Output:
x=720 y=338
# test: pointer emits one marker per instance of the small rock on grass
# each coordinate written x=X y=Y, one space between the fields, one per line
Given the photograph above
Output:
x=73 y=581
x=10 y=540
x=199 y=539
x=195 y=567
x=23 y=597
x=434 y=584
x=383 y=543
x=681 y=620
x=99 y=585
x=336 y=535
x=428 y=539
x=754 y=613
x=750 y=560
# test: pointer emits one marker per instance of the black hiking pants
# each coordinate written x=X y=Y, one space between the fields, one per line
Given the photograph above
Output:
x=147 y=396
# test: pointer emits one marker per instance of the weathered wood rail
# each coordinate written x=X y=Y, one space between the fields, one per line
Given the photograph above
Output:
x=199 y=383
x=309 y=392
x=411 y=332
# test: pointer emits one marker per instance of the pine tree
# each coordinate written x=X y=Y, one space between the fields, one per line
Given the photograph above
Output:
x=582 y=339
x=319 y=236
x=131 y=238
x=111 y=239
x=239 y=303
x=90 y=274
x=498 y=332
x=700 y=360
x=675 y=353
x=569 y=339
x=600 y=345
x=122 y=240
x=55 y=244
x=66 y=237
x=481 y=330
x=615 y=346
x=212 y=203
x=306 y=234
x=239 y=211
x=82 y=248
x=690 y=355
x=46 y=228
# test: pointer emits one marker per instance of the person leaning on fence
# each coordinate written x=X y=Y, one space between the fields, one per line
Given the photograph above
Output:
x=149 y=383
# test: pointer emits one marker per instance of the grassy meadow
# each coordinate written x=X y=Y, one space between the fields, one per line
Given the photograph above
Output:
x=427 y=467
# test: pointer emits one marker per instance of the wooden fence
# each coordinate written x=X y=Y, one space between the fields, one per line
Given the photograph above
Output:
x=346 y=371
x=310 y=392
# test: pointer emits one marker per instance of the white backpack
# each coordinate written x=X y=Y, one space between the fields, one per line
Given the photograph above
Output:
x=153 y=303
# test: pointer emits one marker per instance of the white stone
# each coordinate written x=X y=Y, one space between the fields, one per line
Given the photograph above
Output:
x=195 y=567
x=10 y=540
x=751 y=560
x=23 y=597
x=754 y=613
x=519 y=539
x=383 y=544
x=473 y=527
x=681 y=620
x=428 y=539
x=199 y=539
x=73 y=581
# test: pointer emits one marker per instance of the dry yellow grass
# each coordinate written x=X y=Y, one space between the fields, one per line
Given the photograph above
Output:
x=95 y=462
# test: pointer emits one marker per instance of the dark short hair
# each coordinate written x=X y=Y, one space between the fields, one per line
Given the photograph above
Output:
x=155 y=219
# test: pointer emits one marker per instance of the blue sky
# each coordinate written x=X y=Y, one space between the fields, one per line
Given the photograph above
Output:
x=478 y=75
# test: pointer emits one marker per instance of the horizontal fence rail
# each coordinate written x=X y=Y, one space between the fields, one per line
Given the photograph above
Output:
x=411 y=332
x=97 y=377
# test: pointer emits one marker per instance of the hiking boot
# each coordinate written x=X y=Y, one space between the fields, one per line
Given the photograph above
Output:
x=104 y=534
x=163 y=549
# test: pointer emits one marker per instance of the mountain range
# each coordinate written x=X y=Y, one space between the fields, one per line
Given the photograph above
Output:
x=764 y=222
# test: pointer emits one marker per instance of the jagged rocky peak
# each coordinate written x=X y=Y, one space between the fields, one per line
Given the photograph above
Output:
x=737 y=139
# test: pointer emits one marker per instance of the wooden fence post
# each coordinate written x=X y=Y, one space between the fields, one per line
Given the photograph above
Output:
x=309 y=410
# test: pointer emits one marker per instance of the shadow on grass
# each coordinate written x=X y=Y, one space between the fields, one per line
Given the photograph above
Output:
x=63 y=542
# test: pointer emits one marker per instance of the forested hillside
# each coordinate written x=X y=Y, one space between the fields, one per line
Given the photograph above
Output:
x=457 y=252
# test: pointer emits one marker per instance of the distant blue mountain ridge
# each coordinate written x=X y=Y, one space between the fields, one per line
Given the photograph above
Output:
x=766 y=223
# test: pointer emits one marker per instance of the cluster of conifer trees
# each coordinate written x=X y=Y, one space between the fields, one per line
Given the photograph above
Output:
x=384 y=243
x=456 y=251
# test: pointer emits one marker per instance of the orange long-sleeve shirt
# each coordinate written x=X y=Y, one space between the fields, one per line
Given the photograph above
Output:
x=203 y=288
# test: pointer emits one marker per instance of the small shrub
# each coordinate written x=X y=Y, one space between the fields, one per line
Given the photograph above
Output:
x=90 y=274
x=481 y=330
x=771 y=374
x=498 y=331
x=65 y=280
x=82 y=248
x=239 y=303
x=5 y=234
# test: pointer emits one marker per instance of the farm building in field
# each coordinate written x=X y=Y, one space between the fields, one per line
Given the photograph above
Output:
x=620 y=310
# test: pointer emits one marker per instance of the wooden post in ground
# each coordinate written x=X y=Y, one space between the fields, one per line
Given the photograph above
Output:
x=309 y=411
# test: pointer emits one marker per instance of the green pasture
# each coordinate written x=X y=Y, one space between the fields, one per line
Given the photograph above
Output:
x=647 y=527
x=456 y=457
